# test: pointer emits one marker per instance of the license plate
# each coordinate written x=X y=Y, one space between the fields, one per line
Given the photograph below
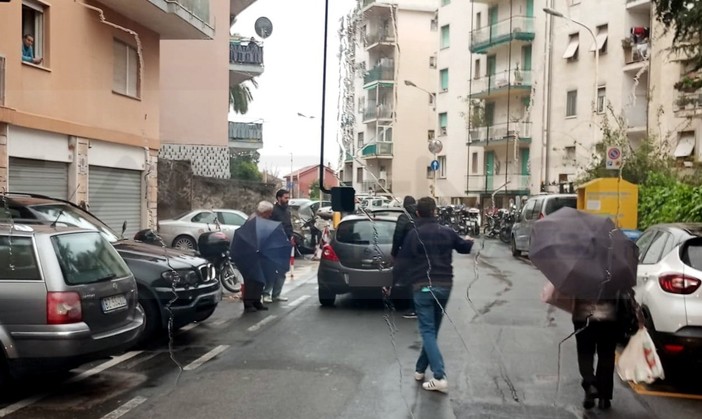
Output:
x=113 y=303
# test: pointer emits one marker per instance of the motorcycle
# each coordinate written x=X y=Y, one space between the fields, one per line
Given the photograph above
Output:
x=306 y=235
x=506 y=227
x=471 y=220
x=214 y=246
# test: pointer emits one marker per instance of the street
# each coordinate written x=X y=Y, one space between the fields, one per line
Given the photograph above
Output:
x=355 y=360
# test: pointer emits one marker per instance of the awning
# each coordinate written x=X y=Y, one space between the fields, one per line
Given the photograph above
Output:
x=685 y=146
x=572 y=48
x=601 y=39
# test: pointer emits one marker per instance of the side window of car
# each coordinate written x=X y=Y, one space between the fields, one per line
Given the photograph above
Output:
x=17 y=259
x=538 y=204
x=528 y=209
x=669 y=245
x=644 y=241
x=230 y=218
x=203 y=217
x=655 y=250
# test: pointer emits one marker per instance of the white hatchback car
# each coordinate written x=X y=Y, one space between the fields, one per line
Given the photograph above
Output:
x=669 y=279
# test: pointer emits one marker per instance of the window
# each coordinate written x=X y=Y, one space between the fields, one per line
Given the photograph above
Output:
x=230 y=218
x=686 y=144
x=442 y=166
x=365 y=232
x=476 y=72
x=432 y=61
x=445 y=36
x=655 y=250
x=601 y=99
x=432 y=98
x=570 y=152
x=431 y=134
x=571 y=103
x=601 y=40
x=478 y=19
x=443 y=123
x=444 y=76
x=87 y=258
x=206 y=217
x=361 y=104
x=359 y=174
x=34 y=16
x=434 y=25
x=445 y=2
x=528 y=211
x=571 y=52
x=474 y=163
x=125 y=78
x=360 y=140
x=644 y=241
x=19 y=262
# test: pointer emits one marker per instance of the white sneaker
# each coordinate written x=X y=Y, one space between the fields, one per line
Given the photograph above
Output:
x=418 y=376
x=267 y=299
x=283 y=299
x=436 y=385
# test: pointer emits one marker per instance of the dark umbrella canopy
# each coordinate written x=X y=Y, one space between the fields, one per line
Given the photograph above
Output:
x=575 y=249
x=260 y=245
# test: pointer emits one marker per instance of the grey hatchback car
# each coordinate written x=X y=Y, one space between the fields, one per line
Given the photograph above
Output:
x=67 y=298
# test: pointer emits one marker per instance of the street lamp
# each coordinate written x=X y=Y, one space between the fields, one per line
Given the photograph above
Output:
x=435 y=146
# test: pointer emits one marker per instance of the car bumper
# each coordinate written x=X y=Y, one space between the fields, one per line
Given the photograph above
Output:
x=688 y=338
x=341 y=280
x=188 y=303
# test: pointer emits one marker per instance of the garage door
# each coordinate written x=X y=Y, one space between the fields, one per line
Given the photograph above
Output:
x=115 y=197
x=39 y=177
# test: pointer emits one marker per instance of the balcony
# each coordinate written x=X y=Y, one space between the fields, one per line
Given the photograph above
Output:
x=238 y=6
x=637 y=115
x=635 y=55
x=245 y=61
x=379 y=73
x=489 y=183
x=500 y=134
x=378 y=186
x=502 y=83
x=519 y=28
x=246 y=136
x=171 y=19
x=374 y=113
x=638 y=5
x=688 y=105
x=377 y=150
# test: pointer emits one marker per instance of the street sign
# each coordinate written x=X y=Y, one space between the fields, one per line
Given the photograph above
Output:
x=614 y=158
x=435 y=146
x=434 y=165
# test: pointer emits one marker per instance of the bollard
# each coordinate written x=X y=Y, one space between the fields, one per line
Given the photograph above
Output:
x=336 y=219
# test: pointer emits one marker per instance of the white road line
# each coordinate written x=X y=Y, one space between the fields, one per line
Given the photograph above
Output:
x=219 y=322
x=8 y=410
x=298 y=301
x=262 y=323
x=191 y=326
x=211 y=354
x=125 y=408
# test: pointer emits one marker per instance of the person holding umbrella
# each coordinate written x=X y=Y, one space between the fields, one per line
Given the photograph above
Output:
x=588 y=258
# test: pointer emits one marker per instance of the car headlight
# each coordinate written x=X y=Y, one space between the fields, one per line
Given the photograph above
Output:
x=183 y=277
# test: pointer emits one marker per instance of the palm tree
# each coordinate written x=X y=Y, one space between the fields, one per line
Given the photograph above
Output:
x=240 y=96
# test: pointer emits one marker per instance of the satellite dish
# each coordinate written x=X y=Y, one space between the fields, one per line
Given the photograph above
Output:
x=263 y=27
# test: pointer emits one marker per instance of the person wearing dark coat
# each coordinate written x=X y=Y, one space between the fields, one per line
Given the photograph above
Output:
x=276 y=280
x=255 y=275
x=405 y=224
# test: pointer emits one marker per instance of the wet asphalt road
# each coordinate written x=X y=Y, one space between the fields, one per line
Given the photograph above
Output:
x=355 y=360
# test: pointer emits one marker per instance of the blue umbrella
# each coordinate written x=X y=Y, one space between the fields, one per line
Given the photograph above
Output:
x=260 y=244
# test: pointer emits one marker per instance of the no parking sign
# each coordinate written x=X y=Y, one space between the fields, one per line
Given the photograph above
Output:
x=614 y=158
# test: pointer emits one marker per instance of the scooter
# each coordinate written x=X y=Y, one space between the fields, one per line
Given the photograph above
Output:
x=214 y=246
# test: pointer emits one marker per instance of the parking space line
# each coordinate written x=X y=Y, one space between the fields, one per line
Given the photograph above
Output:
x=641 y=389
x=262 y=323
x=188 y=327
x=219 y=322
x=298 y=301
x=125 y=408
x=211 y=354
x=8 y=410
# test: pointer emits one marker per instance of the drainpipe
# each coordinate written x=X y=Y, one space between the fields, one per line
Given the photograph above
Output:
x=546 y=117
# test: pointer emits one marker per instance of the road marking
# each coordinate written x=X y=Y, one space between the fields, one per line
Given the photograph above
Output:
x=262 y=323
x=8 y=410
x=189 y=327
x=298 y=301
x=211 y=354
x=219 y=322
x=125 y=408
x=641 y=389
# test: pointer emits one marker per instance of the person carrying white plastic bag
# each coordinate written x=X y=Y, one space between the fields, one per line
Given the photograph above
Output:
x=639 y=361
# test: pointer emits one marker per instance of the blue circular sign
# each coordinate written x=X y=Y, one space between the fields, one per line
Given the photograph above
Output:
x=434 y=165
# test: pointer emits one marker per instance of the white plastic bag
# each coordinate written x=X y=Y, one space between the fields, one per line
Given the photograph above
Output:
x=639 y=361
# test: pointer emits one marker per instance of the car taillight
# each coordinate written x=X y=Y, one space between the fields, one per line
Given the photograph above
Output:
x=678 y=283
x=63 y=308
x=329 y=254
x=541 y=215
x=673 y=349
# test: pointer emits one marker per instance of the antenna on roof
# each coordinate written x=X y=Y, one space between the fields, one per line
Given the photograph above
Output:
x=57 y=218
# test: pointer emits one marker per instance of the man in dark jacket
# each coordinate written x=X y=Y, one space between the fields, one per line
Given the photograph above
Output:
x=281 y=213
x=425 y=263
x=405 y=223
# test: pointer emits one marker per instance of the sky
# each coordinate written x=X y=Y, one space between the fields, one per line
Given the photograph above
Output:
x=292 y=81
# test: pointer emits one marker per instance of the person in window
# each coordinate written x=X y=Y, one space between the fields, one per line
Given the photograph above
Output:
x=28 y=50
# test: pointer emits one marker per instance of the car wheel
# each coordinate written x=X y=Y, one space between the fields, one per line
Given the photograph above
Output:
x=326 y=297
x=204 y=315
x=516 y=253
x=184 y=242
x=152 y=317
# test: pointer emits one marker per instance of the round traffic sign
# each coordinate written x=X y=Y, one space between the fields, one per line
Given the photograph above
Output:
x=434 y=165
x=614 y=153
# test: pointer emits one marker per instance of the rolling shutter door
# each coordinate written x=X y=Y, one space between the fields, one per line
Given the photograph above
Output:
x=39 y=177
x=115 y=197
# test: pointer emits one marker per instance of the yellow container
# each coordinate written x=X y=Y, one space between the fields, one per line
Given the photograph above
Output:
x=613 y=198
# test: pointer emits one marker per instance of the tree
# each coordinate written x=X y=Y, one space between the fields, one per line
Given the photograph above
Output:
x=684 y=19
x=240 y=96
x=314 y=190
x=244 y=166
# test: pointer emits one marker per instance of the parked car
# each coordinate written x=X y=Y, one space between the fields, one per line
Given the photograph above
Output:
x=669 y=276
x=162 y=275
x=67 y=298
x=183 y=231
x=357 y=258
x=536 y=208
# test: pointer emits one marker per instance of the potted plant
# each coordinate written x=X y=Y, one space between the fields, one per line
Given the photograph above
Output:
x=627 y=43
x=687 y=84
x=685 y=101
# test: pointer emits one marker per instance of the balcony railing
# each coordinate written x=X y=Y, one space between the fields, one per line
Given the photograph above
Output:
x=490 y=183
x=502 y=81
x=637 y=115
x=379 y=73
x=245 y=135
x=373 y=112
x=375 y=186
x=688 y=104
x=377 y=149
x=246 y=52
x=378 y=36
x=501 y=132
x=516 y=27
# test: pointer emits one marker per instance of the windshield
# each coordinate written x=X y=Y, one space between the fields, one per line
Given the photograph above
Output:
x=87 y=258
x=72 y=216
x=364 y=232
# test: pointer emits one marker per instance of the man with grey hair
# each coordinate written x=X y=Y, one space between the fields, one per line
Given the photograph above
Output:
x=253 y=285
x=264 y=209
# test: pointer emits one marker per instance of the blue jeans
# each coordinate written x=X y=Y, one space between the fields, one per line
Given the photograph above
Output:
x=429 y=315
x=274 y=286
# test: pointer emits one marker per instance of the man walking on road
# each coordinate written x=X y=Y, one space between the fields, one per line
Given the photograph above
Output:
x=425 y=262
x=281 y=213
x=405 y=223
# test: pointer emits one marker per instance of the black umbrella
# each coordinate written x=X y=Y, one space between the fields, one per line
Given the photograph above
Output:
x=575 y=250
x=260 y=246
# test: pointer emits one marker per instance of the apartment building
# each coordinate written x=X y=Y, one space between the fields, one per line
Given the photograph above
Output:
x=394 y=78
x=80 y=112
x=195 y=81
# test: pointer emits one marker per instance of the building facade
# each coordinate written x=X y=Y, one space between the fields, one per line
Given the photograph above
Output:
x=300 y=182
x=195 y=82
x=80 y=119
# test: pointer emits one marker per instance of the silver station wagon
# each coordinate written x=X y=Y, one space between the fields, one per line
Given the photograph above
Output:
x=67 y=297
